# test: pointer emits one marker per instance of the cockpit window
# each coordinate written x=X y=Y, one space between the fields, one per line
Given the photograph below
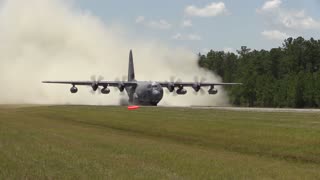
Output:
x=154 y=85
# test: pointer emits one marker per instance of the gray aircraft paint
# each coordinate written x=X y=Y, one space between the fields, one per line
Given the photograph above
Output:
x=147 y=93
x=131 y=75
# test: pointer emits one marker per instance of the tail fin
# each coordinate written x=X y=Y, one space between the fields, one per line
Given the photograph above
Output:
x=131 y=75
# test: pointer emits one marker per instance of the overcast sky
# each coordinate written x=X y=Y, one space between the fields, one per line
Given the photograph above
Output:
x=201 y=25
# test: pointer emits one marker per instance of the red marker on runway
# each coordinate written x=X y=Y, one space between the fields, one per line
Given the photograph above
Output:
x=133 y=107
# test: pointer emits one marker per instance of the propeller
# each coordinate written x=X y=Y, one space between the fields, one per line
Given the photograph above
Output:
x=124 y=79
x=197 y=85
x=201 y=80
x=95 y=81
x=173 y=80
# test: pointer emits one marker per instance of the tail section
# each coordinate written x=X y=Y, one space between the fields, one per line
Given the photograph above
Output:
x=131 y=75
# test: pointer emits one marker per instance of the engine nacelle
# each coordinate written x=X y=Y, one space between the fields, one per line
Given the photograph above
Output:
x=74 y=90
x=213 y=91
x=170 y=87
x=196 y=87
x=105 y=91
x=181 y=91
x=121 y=87
x=94 y=86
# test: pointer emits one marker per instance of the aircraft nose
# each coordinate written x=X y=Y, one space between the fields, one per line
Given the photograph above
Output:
x=157 y=95
x=155 y=92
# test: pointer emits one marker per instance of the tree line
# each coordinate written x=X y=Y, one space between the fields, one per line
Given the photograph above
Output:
x=287 y=76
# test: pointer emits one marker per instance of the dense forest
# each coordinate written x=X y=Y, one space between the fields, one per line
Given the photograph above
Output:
x=287 y=76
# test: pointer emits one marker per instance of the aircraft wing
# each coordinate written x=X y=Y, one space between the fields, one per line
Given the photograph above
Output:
x=197 y=86
x=192 y=84
x=96 y=83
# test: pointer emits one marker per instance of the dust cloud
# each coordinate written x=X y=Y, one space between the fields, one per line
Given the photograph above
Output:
x=53 y=40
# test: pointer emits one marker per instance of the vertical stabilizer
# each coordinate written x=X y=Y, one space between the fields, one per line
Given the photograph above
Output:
x=131 y=75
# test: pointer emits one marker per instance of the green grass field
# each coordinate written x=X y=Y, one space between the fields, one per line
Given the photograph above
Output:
x=88 y=142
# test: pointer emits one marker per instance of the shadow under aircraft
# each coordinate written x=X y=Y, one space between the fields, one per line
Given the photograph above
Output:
x=146 y=93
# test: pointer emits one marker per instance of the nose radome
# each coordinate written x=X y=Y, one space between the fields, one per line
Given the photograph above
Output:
x=155 y=92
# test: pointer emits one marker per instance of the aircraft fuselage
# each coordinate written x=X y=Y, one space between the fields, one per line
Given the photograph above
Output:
x=145 y=93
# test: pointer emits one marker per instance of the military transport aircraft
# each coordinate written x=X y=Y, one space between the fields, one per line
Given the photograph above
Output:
x=145 y=93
